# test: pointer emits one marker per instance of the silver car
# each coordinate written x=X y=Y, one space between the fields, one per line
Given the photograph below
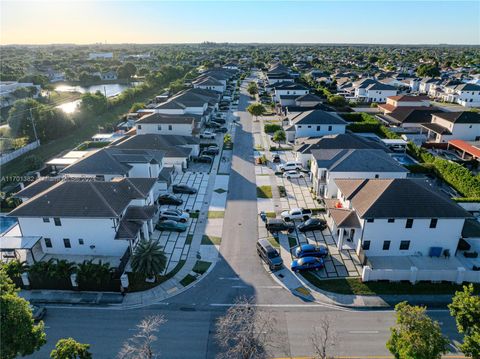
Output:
x=174 y=215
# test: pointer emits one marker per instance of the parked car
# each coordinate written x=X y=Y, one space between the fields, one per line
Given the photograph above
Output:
x=213 y=148
x=170 y=225
x=169 y=198
x=290 y=166
x=307 y=263
x=312 y=224
x=279 y=225
x=207 y=134
x=203 y=159
x=309 y=250
x=38 y=312
x=293 y=174
x=174 y=215
x=219 y=120
x=221 y=130
x=269 y=254
x=183 y=188
x=296 y=213
x=211 y=152
x=213 y=124
x=276 y=158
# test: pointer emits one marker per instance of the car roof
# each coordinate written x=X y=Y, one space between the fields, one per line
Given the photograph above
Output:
x=308 y=247
x=266 y=244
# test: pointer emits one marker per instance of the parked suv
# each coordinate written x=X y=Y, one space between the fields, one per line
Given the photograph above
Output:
x=269 y=254
x=290 y=166
x=296 y=213
x=208 y=135
x=279 y=225
x=174 y=214
x=309 y=250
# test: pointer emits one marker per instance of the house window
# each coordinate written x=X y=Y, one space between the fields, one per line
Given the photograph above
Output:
x=159 y=127
x=409 y=223
x=433 y=223
x=299 y=126
x=66 y=243
x=329 y=128
x=386 y=245
x=170 y=127
x=57 y=221
x=366 y=245
x=377 y=176
x=309 y=126
x=139 y=127
x=404 y=245
x=391 y=220
x=46 y=220
x=48 y=242
x=370 y=220
x=81 y=242
x=318 y=128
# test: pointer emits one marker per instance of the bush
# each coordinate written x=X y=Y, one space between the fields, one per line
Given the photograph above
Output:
x=33 y=162
x=271 y=128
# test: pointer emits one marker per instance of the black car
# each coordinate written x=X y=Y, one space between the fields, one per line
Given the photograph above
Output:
x=211 y=152
x=213 y=124
x=221 y=130
x=183 y=188
x=204 y=159
x=219 y=120
x=312 y=224
x=169 y=199
x=279 y=225
x=276 y=159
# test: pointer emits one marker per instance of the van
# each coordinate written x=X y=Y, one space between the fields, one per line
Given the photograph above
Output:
x=269 y=254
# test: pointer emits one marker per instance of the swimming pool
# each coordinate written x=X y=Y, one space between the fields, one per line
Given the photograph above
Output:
x=6 y=223
x=404 y=159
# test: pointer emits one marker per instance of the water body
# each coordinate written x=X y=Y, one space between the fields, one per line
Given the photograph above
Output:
x=110 y=90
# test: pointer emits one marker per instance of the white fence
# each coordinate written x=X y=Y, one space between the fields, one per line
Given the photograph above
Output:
x=414 y=275
x=7 y=157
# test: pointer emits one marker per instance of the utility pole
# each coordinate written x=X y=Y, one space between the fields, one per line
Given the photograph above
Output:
x=33 y=125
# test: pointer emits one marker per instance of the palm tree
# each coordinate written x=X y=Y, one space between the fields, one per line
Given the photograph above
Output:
x=88 y=271
x=149 y=258
x=64 y=268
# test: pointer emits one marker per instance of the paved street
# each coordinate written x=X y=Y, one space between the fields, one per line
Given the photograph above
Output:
x=189 y=332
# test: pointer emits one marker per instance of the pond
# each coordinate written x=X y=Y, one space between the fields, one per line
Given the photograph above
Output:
x=109 y=90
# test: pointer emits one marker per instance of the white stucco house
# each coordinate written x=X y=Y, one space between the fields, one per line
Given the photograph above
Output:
x=371 y=90
x=467 y=95
x=168 y=124
x=71 y=217
x=314 y=123
x=446 y=126
x=286 y=93
x=394 y=217
x=209 y=83
x=329 y=165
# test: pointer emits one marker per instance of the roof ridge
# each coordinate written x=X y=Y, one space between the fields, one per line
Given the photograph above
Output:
x=99 y=194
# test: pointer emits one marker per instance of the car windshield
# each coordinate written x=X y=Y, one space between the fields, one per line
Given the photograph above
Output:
x=272 y=254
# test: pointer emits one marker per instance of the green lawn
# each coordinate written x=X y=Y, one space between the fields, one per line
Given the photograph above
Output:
x=283 y=191
x=137 y=280
x=201 y=267
x=274 y=242
x=355 y=286
x=189 y=239
x=216 y=214
x=292 y=241
x=194 y=214
x=264 y=192
x=187 y=280
x=211 y=240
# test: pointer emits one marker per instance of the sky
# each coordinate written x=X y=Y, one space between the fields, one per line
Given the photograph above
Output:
x=267 y=21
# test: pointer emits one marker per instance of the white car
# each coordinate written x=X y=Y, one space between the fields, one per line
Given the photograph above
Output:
x=293 y=174
x=296 y=213
x=207 y=134
x=290 y=166
x=174 y=214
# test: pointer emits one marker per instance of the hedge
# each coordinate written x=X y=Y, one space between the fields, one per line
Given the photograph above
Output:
x=363 y=122
x=271 y=127
x=457 y=176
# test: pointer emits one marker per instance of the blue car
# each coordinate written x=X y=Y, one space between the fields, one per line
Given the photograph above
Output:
x=309 y=250
x=307 y=263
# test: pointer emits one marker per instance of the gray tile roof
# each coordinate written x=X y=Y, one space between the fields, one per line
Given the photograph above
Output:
x=339 y=141
x=161 y=118
x=169 y=145
x=398 y=198
x=460 y=117
x=317 y=117
x=356 y=160
x=81 y=198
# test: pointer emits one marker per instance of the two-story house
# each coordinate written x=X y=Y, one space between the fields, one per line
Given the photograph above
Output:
x=394 y=217
x=446 y=126
x=88 y=217
x=169 y=124
x=286 y=93
x=314 y=123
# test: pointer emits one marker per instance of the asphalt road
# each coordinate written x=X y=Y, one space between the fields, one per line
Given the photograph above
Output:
x=190 y=328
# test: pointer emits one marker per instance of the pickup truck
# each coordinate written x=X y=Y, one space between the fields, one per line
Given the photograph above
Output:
x=296 y=213
x=279 y=225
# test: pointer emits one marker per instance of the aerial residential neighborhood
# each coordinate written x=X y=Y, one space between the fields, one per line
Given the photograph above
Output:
x=184 y=186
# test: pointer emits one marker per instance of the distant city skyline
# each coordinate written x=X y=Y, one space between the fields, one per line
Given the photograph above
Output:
x=143 y=22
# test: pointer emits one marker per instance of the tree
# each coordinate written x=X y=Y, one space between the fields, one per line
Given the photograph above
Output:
x=70 y=349
x=149 y=258
x=279 y=136
x=465 y=308
x=126 y=71
x=140 y=345
x=94 y=103
x=323 y=339
x=430 y=70
x=20 y=336
x=256 y=109
x=337 y=101
x=416 y=335
x=245 y=332
x=137 y=106
x=252 y=88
